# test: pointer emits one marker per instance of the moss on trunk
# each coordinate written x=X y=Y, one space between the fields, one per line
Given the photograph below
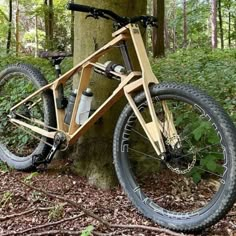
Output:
x=93 y=153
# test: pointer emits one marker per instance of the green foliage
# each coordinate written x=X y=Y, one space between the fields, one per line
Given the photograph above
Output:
x=28 y=179
x=13 y=91
x=6 y=198
x=29 y=10
x=214 y=72
x=36 y=196
x=87 y=231
x=43 y=65
x=56 y=212
x=3 y=167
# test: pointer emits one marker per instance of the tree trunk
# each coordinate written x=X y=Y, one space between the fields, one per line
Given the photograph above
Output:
x=185 y=29
x=229 y=27
x=36 y=37
x=93 y=154
x=221 y=25
x=17 y=28
x=167 y=39
x=174 y=27
x=48 y=16
x=158 y=33
x=213 y=23
x=9 y=27
x=50 y=24
x=72 y=29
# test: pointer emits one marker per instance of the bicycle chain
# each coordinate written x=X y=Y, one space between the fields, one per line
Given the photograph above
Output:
x=36 y=122
x=25 y=130
x=64 y=147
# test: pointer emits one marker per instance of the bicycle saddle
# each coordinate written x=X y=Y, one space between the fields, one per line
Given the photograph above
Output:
x=54 y=55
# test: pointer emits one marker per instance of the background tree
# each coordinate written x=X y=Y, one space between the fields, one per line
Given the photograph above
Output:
x=9 y=27
x=93 y=155
x=17 y=27
x=221 y=24
x=185 y=23
x=49 y=23
x=158 y=33
x=214 y=23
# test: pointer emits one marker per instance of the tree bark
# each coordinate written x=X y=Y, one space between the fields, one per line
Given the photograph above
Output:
x=185 y=29
x=174 y=27
x=229 y=24
x=93 y=154
x=50 y=24
x=36 y=37
x=214 y=24
x=48 y=16
x=9 y=27
x=158 y=43
x=72 y=29
x=221 y=25
x=167 y=39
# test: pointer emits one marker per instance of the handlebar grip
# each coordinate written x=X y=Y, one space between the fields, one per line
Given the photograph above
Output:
x=78 y=7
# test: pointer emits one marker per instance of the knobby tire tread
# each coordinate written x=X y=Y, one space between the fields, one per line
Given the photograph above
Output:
x=230 y=135
x=36 y=77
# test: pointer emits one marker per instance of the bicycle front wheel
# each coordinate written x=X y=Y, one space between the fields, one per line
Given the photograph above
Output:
x=19 y=145
x=196 y=184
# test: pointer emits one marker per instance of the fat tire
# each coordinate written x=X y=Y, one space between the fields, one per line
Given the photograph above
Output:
x=38 y=80
x=228 y=196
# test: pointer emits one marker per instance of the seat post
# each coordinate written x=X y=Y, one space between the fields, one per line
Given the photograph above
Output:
x=60 y=100
x=56 y=63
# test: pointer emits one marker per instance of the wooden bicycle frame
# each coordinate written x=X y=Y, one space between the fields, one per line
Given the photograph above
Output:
x=135 y=80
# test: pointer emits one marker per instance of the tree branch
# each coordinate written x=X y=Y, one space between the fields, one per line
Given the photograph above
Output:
x=42 y=226
x=76 y=205
x=91 y=214
x=7 y=217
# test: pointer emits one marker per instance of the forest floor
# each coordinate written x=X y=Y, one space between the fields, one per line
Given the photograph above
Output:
x=55 y=203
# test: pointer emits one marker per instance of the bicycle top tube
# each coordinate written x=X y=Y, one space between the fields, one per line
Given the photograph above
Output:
x=110 y=15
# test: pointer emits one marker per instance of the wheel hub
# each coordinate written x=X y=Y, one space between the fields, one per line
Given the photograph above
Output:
x=178 y=161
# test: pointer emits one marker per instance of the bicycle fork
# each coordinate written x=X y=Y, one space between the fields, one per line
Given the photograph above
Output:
x=155 y=130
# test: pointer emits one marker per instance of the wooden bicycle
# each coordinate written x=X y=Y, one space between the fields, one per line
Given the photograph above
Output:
x=174 y=147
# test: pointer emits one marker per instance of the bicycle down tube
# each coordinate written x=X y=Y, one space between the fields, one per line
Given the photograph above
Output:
x=129 y=83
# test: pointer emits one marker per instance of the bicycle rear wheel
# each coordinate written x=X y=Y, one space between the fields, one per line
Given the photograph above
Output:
x=196 y=185
x=18 y=145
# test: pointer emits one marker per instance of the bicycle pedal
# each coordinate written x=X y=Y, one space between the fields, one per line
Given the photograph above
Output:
x=38 y=160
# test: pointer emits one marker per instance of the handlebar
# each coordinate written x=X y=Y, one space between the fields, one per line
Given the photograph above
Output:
x=107 y=14
x=78 y=7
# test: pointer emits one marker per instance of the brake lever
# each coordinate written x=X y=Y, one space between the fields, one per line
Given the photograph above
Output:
x=91 y=15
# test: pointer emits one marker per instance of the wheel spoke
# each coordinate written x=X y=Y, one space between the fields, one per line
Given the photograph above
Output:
x=144 y=154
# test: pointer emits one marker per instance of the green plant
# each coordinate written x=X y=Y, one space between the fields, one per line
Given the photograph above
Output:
x=36 y=196
x=28 y=178
x=6 y=198
x=56 y=212
x=87 y=231
x=3 y=167
x=214 y=72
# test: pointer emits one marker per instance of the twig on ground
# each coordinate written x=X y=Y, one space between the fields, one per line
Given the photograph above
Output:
x=72 y=232
x=42 y=226
x=232 y=214
x=76 y=205
x=91 y=214
x=7 y=217
x=234 y=225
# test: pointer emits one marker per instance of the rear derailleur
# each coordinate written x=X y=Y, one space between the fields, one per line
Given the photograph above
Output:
x=59 y=143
